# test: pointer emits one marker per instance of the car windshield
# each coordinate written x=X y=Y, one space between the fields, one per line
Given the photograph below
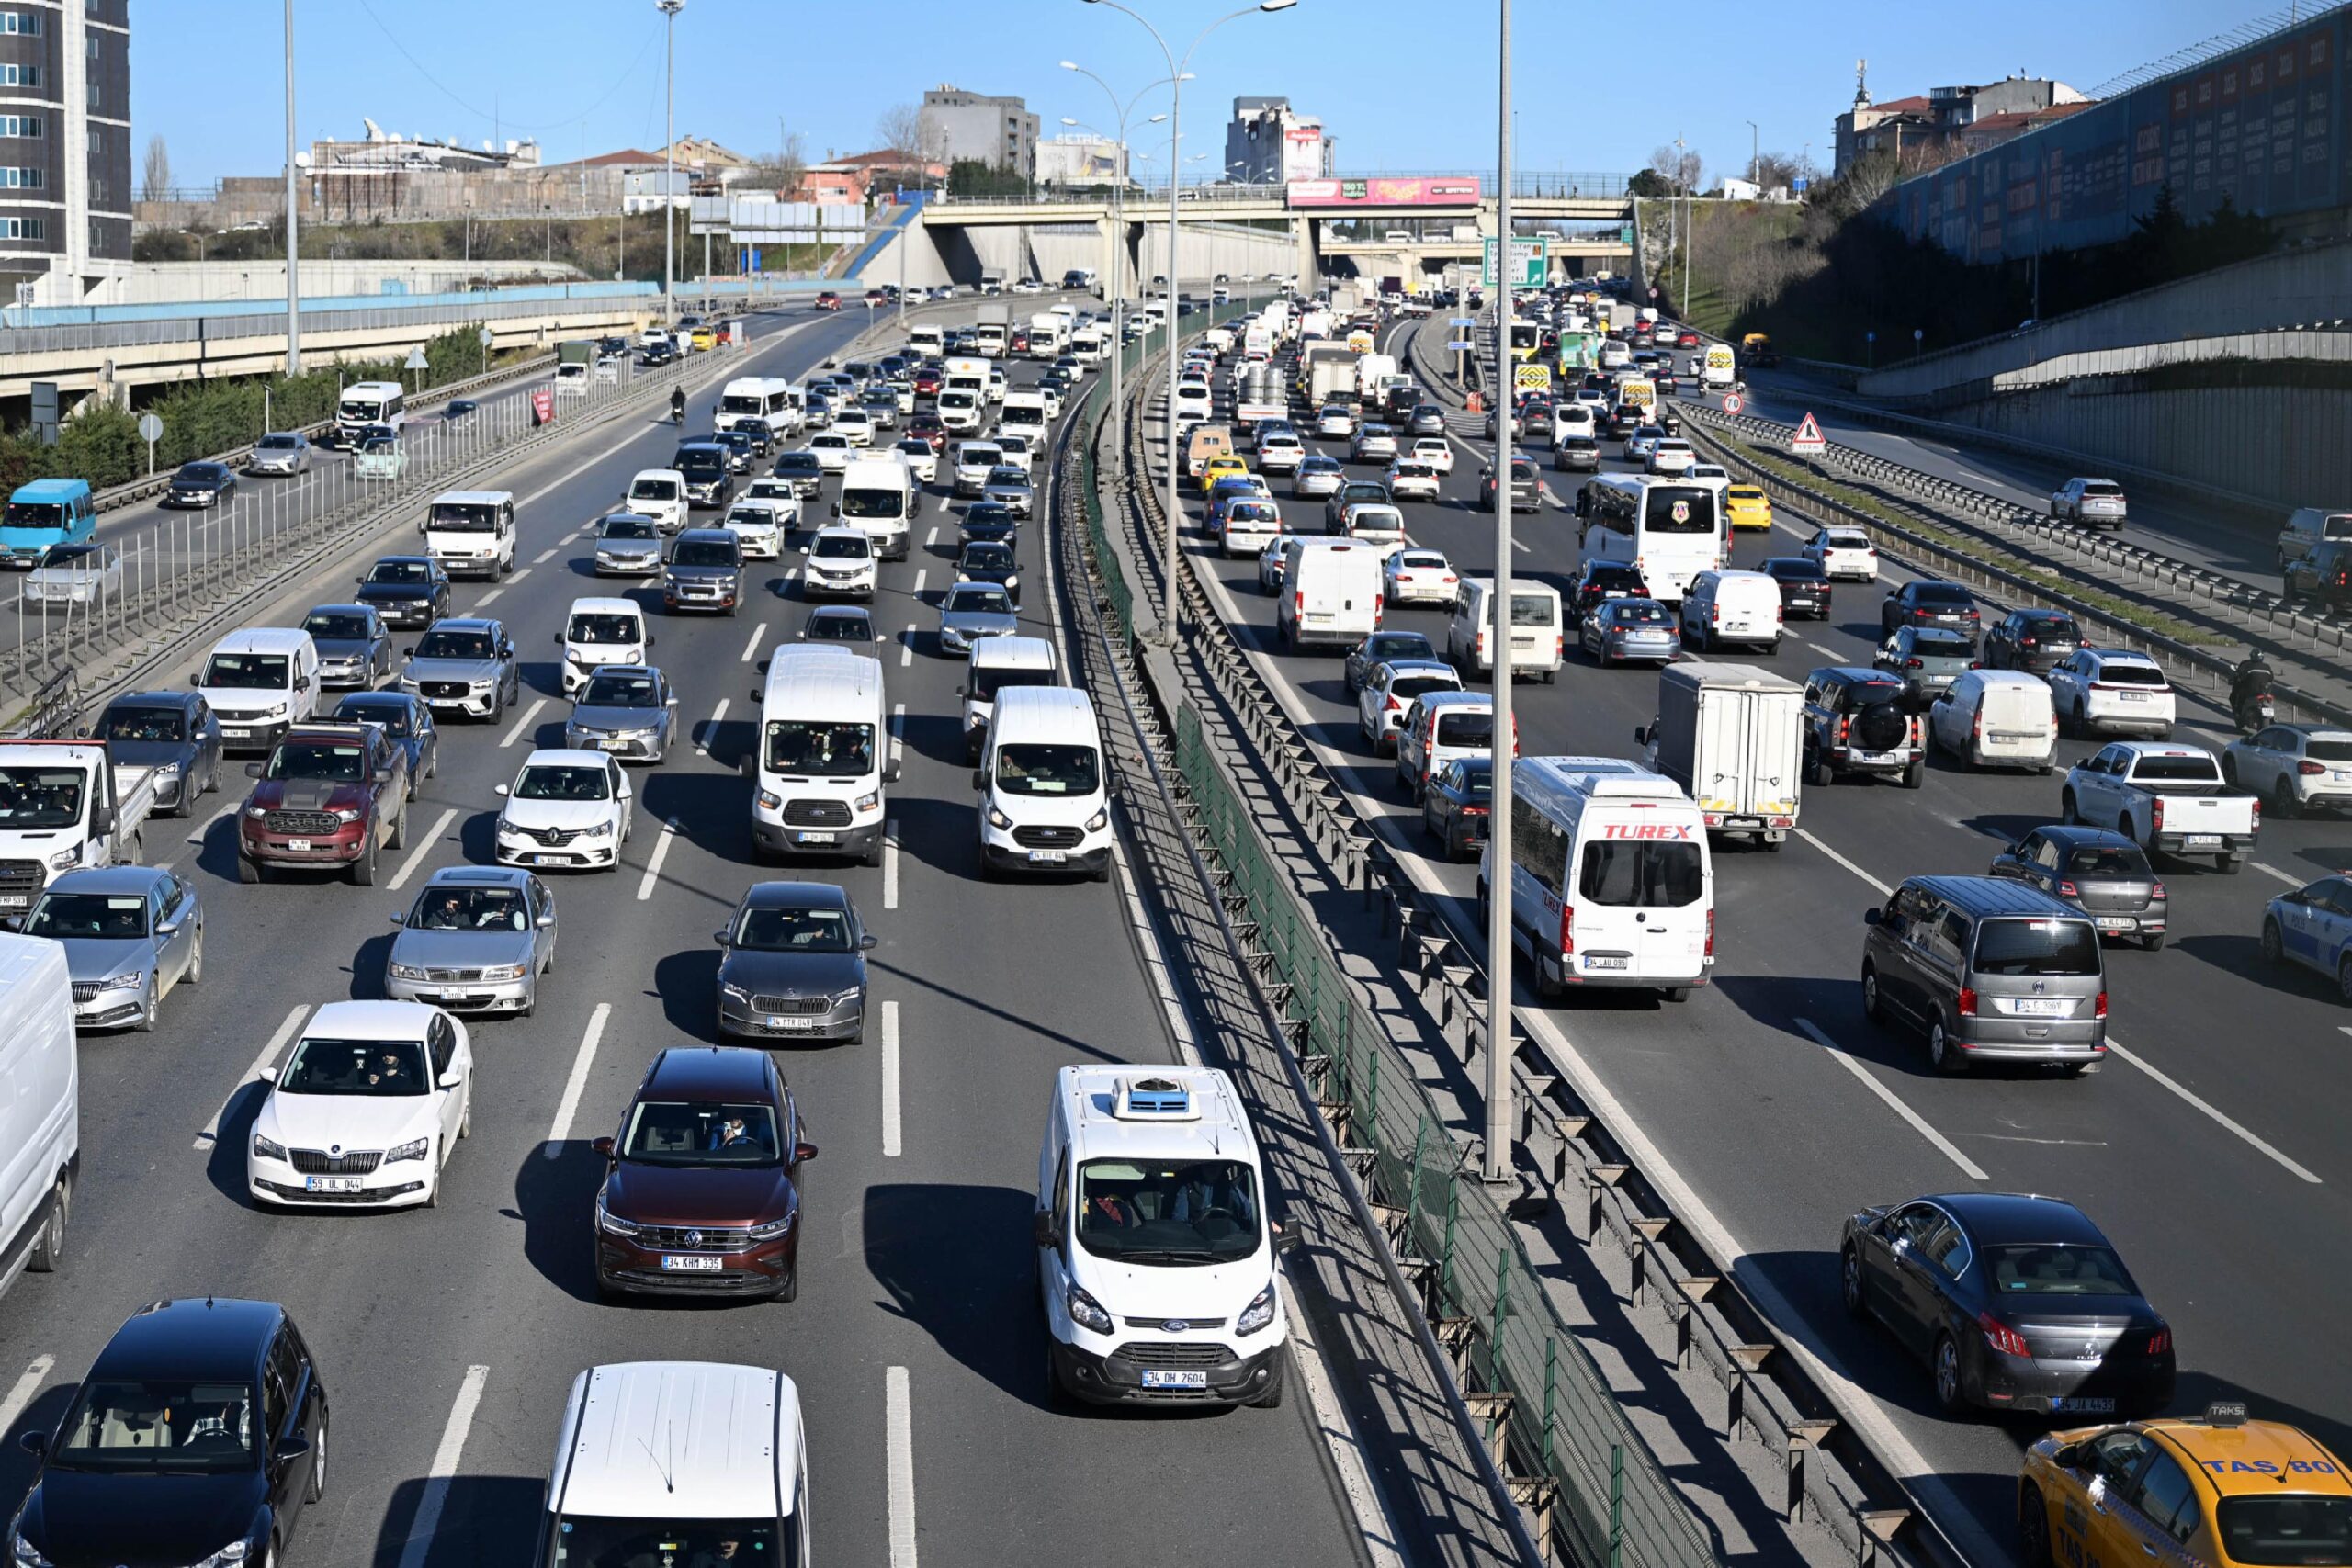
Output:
x=463 y=518
x=1794 y=571
x=1642 y=875
x=343 y=625
x=1405 y=688
x=201 y=473
x=2175 y=770
x=802 y=462
x=708 y=463
x=449 y=908
x=1942 y=595
x=1173 y=1211
x=629 y=528
x=2328 y=750
x=564 y=780
x=2278 y=1530
x=143 y=723
x=753 y=517
x=2057 y=1269
x=444 y=643
x=158 y=1424
x=1532 y=610
x=819 y=749
x=765 y=930
x=988 y=558
x=245 y=671
x=600 y=626
x=978 y=598
x=68 y=555
x=841 y=547
x=2033 y=947
x=388 y=1067
x=988 y=680
x=336 y=761
x=279 y=442
x=1049 y=770
x=1639 y=613
x=705 y=552
x=1472 y=727
x=2108 y=861
x=837 y=626
x=1845 y=541
x=399 y=571
x=392 y=716
x=700 y=1131
x=618 y=691
x=116 y=916
x=588 y=1541
x=1944 y=646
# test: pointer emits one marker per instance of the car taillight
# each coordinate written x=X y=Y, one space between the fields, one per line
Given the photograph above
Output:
x=1844 y=729
x=2098 y=1009
x=1711 y=933
x=1976 y=725
x=1975 y=664
x=2156 y=890
x=1567 y=929
x=1968 y=1001
x=1473 y=811
x=2068 y=890
x=1393 y=704
x=1914 y=664
x=2001 y=1337
x=2157 y=812
x=2256 y=806
x=2160 y=1342
x=1298 y=602
x=2309 y=768
x=1780 y=614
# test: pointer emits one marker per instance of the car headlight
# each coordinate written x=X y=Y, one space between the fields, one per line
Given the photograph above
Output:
x=128 y=981
x=346 y=814
x=506 y=971
x=774 y=1230
x=770 y=801
x=1012 y=582
x=66 y=859
x=26 y=1554
x=233 y=1552
x=734 y=993
x=256 y=813
x=275 y=710
x=597 y=830
x=507 y=830
x=870 y=801
x=1087 y=1312
x=854 y=994
x=1257 y=1313
x=405 y=971
x=608 y=1222
x=415 y=1148
x=264 y=1148
x=483 y=685
x=998 y=819
x=1099 y=821
x=408 y=684
x=168 y=770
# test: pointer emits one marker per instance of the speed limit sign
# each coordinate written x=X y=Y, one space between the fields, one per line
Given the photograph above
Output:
x=1734 y=402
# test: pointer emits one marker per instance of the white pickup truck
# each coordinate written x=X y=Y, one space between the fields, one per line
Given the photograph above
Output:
x=66 y=804
x=2169 y=799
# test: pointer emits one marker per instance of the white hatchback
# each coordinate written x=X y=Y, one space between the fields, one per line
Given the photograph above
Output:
x=1417 y=576
x=1434 y=450
x=1844 y=555
x=364 y=1110
x=1409 y=479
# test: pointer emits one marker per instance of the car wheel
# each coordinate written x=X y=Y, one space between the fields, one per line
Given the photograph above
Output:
x=148 y=1003
x=1849 y=1279
x=2068 y=815
x=1272 y=1398
x=247 y=872
x=1818 y=773
x=465 y=1121
x=362 y=870
x=2034 y=1530
x=1949 y=1394
x=2344 y=978
x=1941 y=1055
x=789 y=1288
x=433 y=768
x=1916 y=776
x=194 y=973
x=317 y=1488
x=2274 y=946
x=1873 y=1004
x=398 y=838
x=50 y=1250
x=2283 y=800
x=433 y=1188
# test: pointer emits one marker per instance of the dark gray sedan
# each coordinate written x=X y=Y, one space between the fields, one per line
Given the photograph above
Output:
x=627 y=710
x=971 y=610
x=2104 y=875
x=202 y=484
x=130 y=933
x=354 y=649
x=794 y=967
x=1379 y=649
x=477 y=939
x=174 y=733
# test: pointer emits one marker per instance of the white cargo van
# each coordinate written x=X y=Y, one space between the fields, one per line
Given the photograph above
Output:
x=2002 y=718
x=70 y=806
x=471 y=531
x=40 y=1115
x=972 y=461
x=600 y=632
x=1331 y=592
x=1141 y=1166
x=1721 y=608
x=258 y=680
x=667 y=1461
x=752 y=397
x=1023 y=413
x=821 y=755
x=1538 y=636
x=1733 y=737
x=1611 y=880
x=657 y=493
x=879 y=497
x=1045 y=802
x=996 y=664
x=962 y=407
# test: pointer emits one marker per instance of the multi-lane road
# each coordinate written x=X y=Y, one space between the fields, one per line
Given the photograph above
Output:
x=2208 y=1146
x=448 y=1338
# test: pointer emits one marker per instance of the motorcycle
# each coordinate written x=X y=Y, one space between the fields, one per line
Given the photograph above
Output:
x=2255 y=711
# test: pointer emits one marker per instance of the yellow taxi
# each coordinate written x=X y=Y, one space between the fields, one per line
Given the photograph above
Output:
x=704 y=339
x=1222 y=467
x=1747 y=506
x=2210 y=1492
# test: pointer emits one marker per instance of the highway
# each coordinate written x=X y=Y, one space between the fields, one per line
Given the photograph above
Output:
x=448 y=1338
x=2208 y=1146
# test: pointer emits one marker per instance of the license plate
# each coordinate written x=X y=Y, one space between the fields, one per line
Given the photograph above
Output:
x=1046 y=857
x=819 y=838
x=331 y=1184
x=1605 y=960
x=1317 y=616
x=2116 y=922
x=690 y=1263
x=300 y=846
x=2204 y=840
x=15 y=900
x=2038 y=1007
x=2133 y=696
x=612 y=745
x=1154 y=1377
x=229 y=732
x=2085 y=1406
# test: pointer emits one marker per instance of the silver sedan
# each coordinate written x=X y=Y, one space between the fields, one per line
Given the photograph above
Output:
x=477 y=939
x=280 y=452
x=130 y=933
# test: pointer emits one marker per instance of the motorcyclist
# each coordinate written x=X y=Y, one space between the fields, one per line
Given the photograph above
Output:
x=677 y=405
x=2249 y=686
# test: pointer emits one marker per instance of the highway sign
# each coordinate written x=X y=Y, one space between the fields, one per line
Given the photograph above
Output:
x=1734 y=402
x=1459 y=346
x=1533 y=377
x=1531 y=262
x=415 y=360
x=151 y=428
x=1808 y=437
x=1461 y=321
x=484 y=335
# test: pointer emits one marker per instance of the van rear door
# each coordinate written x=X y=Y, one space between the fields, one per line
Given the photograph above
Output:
x=1642 y=895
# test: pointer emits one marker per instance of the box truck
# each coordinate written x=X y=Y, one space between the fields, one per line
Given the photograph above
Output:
x=1733 y=737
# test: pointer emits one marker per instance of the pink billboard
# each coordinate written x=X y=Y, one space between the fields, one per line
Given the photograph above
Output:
x=1443 y=190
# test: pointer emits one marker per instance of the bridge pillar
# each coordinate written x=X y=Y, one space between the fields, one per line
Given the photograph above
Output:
x=1302 y=230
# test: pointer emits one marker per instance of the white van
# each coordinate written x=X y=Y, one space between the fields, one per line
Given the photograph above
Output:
x=1611 y=879
x=1140 y=1164
x=821 y=755
x=972 y=461
x=1538 y=637
x=926 y=338
x=996 y=664
x=657 y=493
x=471 y=531
x=363 y=404
x=767 y=398
x=1331 y=592
x=1997 y=718
x=258 y=681
x=600 y=632
x=879 y=497
x=657 y=1456
x=1024 y=413
x=962 y=407
x=40 y=1117
x=1721 y=608
x=1043 y=804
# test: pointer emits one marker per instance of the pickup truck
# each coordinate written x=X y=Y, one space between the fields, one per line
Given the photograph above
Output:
x=331 y=795
x=2168 y=799
x=66 y=804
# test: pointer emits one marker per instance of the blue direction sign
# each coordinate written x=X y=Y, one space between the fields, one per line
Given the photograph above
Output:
x=1458 y=347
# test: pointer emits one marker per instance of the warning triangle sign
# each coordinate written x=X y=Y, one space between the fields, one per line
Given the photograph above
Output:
x=1808 y=437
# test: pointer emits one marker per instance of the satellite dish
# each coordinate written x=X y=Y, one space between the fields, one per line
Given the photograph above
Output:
x=301 y=160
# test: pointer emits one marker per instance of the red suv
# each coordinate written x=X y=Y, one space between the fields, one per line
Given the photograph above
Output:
x=330 y=795
x=702 y=1193
x=828 y=301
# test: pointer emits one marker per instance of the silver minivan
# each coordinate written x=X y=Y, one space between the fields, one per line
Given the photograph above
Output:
x=2306 y=526
x=1990 y=970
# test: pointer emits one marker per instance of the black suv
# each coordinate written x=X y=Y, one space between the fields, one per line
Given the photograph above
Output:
x=2036 y=641
x=1597 y=583
x=1857 y=720
x=1929 y=603
x=2323 y=576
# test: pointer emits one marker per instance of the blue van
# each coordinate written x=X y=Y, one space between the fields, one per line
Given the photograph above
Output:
x=45 y=513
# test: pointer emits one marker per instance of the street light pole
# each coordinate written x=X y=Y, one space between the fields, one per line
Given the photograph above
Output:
x=668 y=10
x=1756 y=157
x=293 y=238
x=1498 y=1157
x=1114 y=287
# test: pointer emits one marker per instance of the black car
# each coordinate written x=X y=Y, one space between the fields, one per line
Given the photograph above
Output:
x=987 y=521
x=407 y=722
x=1929 y=603
x=1457 y=804
x=1805 y=589
x=1596 y=582
x=2036 y=641
x=202 y=484
x=802 y=470
x=407 y=591
x=2323 y=576
x=740 y=451
x=1861 y=720
x=172 y=732
x=795 y=965
x=759 y=433
x=198 y=1436
x=2104 y=875
x=985 y=562
x=660 y=351
x=1378 y=649
x=2017 y=1302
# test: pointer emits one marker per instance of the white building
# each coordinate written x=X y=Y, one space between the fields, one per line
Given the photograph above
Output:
x=1266 y=144
x=1080 y=160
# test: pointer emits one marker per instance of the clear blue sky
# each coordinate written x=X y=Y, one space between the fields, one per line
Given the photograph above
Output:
x=1404 y=86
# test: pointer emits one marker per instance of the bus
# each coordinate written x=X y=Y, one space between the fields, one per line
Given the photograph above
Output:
x=1669 y=529
x=1526 y=341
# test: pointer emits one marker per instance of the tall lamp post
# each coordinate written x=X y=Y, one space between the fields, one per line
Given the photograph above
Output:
x=293 y=243
x=1176 y=71
x=1496 y=1159
x=1114 y=287
x=668 y=10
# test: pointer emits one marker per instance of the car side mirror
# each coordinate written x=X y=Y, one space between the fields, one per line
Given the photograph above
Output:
x=868 y=941
x=558 y=636
x=602 y=1147
x=33 y=1443
x=1873 y=916
x=408 y=653
x=383 y=775
x=891 y=772
x=980 y=778
x=651 y=639
x=1286 y=1239
x=498 y=789
x=450 y=1079
x=1040 y=1231
x=290 y=1448
x=1641 y=735
x=253 y=770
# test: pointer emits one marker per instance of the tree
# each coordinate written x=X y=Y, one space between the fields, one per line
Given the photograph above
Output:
x=1650 y=184
x=1776 y=170
x=155 y=180
x=1680 y=168
x=782 y=169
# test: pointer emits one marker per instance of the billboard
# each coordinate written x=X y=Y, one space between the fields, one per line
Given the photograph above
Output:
x=1302 y=153
x=1445 y=190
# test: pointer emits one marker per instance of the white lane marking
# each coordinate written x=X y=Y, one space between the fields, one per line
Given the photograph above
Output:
x=653 y=864
x=560 y=1128
x=489 y=597
x=1519 y=545
x=753 y=646
x=906 y=647
x=260 y=1069
x=899 y=1442
x=710 y=727
x=1892 y=1103
x=2274 y=871
x=792 y=574
x=2192 y=1097
x=890 y=863
x=513 y=578
x=891 y=1141
x=1884 y=887
x=211 y=822
x=530 y=716
x=569 y=538
x=920 y=576
x=931 y=538
x=417 y=855
x=22 y=1394
x=1824 y=652
x=444 y=1466
x=547 y=555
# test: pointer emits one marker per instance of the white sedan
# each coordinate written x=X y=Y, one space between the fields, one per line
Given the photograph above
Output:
x=920 y=459
x=833 y=450
x=1335 y=421
x=758 y=527
x=1409 y=479
x=1417 y=576
x=566 y=809
x=365 y=1110
x=1434 y=450
x=1844 y=555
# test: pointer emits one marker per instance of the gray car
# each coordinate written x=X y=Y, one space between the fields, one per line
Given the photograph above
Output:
x=477 y=939
x=795 y=965
x=1622 y=629
x=172 y=732
x=466 y=664
x=970 y=611
x=130 y=933
x=1008 y=487
x=627 y=710
x=280 y=452
x=628 y=545
x=354 y=648
x=705 y=571
x=1927 y=660
x=1316 y=476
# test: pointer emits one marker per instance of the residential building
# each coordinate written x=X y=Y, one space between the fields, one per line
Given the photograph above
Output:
x=1946 y=123
x=960 y=125
x=65 y=155
x=1266 y=144
x=1080 y=160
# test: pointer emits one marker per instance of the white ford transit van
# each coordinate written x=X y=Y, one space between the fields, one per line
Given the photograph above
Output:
x=1043 y=801
x=821 y=755
x=995 y=664
x=471 y=531
x=40 y=1117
